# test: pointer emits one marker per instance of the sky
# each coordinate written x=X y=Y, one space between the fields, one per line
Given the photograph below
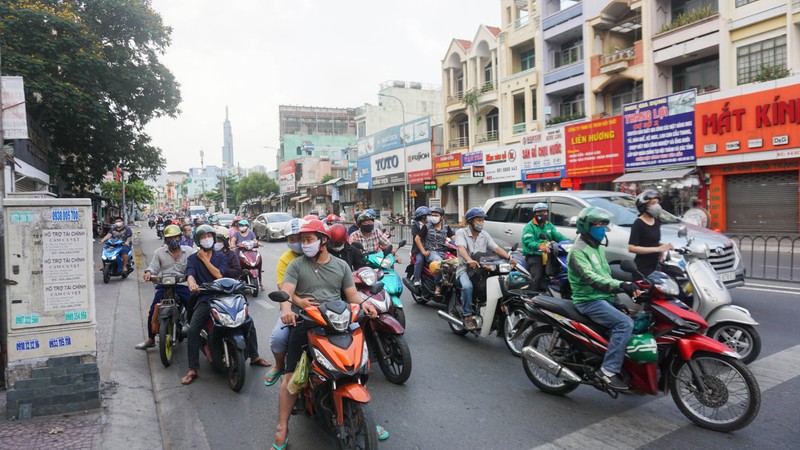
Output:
x=253 y=55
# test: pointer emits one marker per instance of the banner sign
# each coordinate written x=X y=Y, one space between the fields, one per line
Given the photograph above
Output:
x=471 y=159
x=595 y=148
x=15 y=118
x=447 y=163
x=364 y=174
x=502 y=164
x=388 y=168
x=659 y=131
x=478 y=171
x=543 y=152
x=418 y=163
x=392 y=138
x=286 y=180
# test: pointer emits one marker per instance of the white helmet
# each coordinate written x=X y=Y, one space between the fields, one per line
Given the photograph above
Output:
x=293 y=227
x=223 y=232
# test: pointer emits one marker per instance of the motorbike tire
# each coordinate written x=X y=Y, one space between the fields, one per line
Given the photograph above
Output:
x=722 y=396
x=400 y=315
x=397 y=368
x=550 y=384
x=452 y=309
x=106 y=274
x=125 y=273
x=743 y=339
x=359 y=427
x=166 y=346
x=235 y=369
x=515 y=315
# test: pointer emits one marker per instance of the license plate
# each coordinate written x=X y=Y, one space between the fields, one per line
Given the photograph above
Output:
x=727 y=276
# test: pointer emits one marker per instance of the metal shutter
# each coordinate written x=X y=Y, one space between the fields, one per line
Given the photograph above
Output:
x=477 y=194
x=762 y=202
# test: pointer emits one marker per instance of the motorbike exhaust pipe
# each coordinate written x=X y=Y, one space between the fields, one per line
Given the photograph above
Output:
x=450 y=318
x=545 y=362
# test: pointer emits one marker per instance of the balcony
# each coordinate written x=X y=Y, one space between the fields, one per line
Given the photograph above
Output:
x=617 y=61
x=487 y=87
x=564 y=72
x=455 y=98
x=562 y=16
x=701 y=37
x=521 y=22
x=460 y=142
x=519 y=128
x=489 y=136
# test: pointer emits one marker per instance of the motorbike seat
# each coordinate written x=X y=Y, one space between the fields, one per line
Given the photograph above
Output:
x=618 y=274
x=567 y=309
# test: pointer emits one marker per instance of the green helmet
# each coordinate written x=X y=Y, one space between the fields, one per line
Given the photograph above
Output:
x=201 y=230
x=590 y=215
x=213 y=219
x=642 y=348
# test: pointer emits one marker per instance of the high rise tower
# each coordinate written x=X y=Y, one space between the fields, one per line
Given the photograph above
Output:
x=227 y=142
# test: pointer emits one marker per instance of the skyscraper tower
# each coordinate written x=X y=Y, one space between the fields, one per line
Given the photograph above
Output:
x=227 y=142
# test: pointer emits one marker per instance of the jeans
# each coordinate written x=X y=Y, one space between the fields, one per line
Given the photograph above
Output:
x=199 y=317
x=466 y=292
x=620 y=325
x=419 y=263
x=436 y=256
x=181 y=291
x=279 y=341
x=252 y=341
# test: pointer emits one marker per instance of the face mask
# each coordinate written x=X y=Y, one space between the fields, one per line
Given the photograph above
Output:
x=367 y=229
x=337 y=248
x=598 y=233
x=243 y=229
x=218 y=246
x=207 y=243
x=296 y=247
x=118 y=224
x=541 y=219
x=478 y=227
x=435 y=220
x=173 y=244
x=311 y=250
x=654 y=211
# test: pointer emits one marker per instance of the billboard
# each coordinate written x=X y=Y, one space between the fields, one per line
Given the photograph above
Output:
x=418 y=162
x=286 y=179
x=659 y=131
x=15 y=120
x=447 y=163
x=543 y=154
x=594 y=148
x=364 y=175
x=471 y=159
x=502 y=164
x=388 y=168
x=392 y=138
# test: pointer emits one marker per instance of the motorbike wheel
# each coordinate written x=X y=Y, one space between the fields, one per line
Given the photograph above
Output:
x=400 y=315
x=397 y=368
x=453 y=307
x=165 y=342
x=515 y=316
x=542 y=340
x=743 y=339
x=125 y=273
x=106 y=274
x=732 y=399
x=235 y=369
x=358 y=431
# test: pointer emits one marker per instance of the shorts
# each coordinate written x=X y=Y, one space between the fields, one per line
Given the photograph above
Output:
x=298 y=342
x=279 y=341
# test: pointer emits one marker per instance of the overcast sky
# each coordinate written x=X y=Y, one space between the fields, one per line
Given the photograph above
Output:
x=253 y=55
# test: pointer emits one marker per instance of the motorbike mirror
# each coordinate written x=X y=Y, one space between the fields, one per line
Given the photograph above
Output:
x=682 y=231
x=628 y=266
x=401 y=244
x=279 y=296
x=515 y=247
x=376 y=288
x=388 y=250
x=358 y=245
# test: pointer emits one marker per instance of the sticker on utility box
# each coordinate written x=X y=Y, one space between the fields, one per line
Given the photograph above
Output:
x=28 y=344
x=73 y=316
x=65 y=215
x=21 y=216
x=27 y=319
x=63 y=341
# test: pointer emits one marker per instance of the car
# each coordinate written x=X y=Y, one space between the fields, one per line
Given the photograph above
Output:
x=269 y=226
x=507 y=216
x=225 y=220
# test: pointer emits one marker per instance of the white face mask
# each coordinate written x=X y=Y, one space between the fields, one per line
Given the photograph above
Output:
x=243 y=229
x=435 y=219
x=118 y=224
x=207 y=243
x=296 y=247
x=311 y=250
x=218 y=246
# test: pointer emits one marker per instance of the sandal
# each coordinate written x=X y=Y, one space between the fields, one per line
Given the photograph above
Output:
x=382 y=433
x=272 y=377
x=281 y=447
x=189 y=378
x=259 y=361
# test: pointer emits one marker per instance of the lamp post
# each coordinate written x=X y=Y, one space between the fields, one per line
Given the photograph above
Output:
x=277 y=169
x=405 y=167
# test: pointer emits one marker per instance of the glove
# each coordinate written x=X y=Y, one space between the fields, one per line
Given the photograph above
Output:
x=624 y=309
x=628 y=287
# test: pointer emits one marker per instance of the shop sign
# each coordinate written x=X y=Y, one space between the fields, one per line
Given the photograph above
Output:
x=762 y=121
x=430 y=185
x=471 y=159
x=392 y=138
x=760 y=167
x=15 y=117
x=286 y=180
x=388 y=168
x=536 y=176
x=594 y=148
x=659 y=131
x=478 y=171
x=364 y=174
x=502 y=164
x=447 y=163
x=418 y=162
x=542 y=152
x=566 y=183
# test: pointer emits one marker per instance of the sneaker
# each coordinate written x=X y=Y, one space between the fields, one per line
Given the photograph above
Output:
x=145 y=345
x=469 y=323
x=614 y=382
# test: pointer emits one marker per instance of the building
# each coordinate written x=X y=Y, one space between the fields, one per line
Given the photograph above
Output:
x=315 y=131
x=227 y=142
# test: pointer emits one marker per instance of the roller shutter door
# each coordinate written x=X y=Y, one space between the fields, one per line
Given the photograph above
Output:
x=477 y=194
x=762 y=203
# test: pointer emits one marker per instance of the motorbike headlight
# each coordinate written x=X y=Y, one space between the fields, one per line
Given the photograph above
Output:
x=381 y=305
x=168 y=281
x=504 y=268
x=240 y=317
x=387 y=262
x=339 y=321
x=369 y=277
x=222 y=317
x=320 y=358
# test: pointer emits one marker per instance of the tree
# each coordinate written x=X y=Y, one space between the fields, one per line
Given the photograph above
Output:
x=326 y=178
x=215 y=195
x=93 y=80
x=136 y=193
x=255 y=185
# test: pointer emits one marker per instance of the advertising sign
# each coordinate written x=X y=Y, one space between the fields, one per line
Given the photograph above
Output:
x=364 y=174
x=418 y=162
x=471 y=159
x=447 y=163
x=64 y=268
x=543 y=154
x=478 y=171
x=766 y=121
x=388 y=168
x=502 y=164
x=392 y=138
x=286 y=179
x=659 y=131
x=15 y=119
x=430 y=185
x=594 y=148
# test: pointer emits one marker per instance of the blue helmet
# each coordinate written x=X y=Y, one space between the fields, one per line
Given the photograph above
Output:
x=438 y=210
x=371 y=212
x=422 y=211
x=473 y=213
x=540 y=207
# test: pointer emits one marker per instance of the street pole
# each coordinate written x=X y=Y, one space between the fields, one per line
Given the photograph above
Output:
x=224 y=190
x=124 y=208
x=405 y=165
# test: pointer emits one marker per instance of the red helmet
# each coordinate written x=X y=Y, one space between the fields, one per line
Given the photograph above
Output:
x=333 y=218
x=315 y=226
x=310 y=217
x=338 y=233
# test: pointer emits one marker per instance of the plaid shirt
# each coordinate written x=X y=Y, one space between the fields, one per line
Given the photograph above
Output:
x=372 y=242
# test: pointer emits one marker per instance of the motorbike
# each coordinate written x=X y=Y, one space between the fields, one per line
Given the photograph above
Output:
x=427 y=290
x=169 y=317
x=670 y=354
x=250 y=260
x=384 y=334
x=160 y=230
x=336 y=395
x=385 y=261
x=112 y=260
x=151 y=223
x=223 y=339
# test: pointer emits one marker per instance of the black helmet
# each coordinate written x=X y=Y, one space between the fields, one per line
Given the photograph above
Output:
x=438 y=210
x=363 y=217
x=644 y=198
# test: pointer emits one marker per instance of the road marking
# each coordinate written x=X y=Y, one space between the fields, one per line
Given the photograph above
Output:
x=773 y=287
x=773 y=290
x=644 y=424
x=265 y=304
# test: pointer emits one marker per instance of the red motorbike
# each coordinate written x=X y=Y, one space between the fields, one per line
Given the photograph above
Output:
x=250 y=260
x=709 y=383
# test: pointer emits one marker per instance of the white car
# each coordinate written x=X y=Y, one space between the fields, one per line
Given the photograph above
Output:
x=269 y=226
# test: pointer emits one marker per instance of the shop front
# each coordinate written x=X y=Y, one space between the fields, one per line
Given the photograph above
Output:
x=447 y=169
x=388 y=182
x=594 y=153
x=543 y=160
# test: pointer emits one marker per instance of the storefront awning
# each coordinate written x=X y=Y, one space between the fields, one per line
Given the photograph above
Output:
x=466 y=181
x=300 y=198
x=652 y=176
x=303 y=200
x=333 y=181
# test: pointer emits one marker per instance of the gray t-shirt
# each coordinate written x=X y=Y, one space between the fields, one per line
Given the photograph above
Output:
x=482 y=244
x=323 y=282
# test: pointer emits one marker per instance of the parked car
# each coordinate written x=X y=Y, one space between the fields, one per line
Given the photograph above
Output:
x=269 y=226
x=507 y=216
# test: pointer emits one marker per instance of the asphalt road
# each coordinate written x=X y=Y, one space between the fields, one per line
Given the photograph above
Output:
x=467 y=392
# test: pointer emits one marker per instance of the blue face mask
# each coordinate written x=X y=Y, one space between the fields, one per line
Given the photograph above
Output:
x=598 y=233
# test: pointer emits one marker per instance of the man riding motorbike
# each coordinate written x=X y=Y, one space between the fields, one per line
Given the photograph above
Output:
x=594 y=291
x=186 y=237
x=469 y=241
x=122 y=232
x=531 y=240
x=340 y=248
x=431 y=241
x=368 y=235
x=420 y=219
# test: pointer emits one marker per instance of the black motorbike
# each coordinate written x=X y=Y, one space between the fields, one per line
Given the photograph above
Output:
x=160 y=230
x=169 y=316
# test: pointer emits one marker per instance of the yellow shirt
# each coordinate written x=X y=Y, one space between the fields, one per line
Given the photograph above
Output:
x=283 y=262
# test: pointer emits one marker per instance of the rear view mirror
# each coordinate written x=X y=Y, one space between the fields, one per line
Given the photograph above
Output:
x=573 y=221
x=401 y=244
x=628 y=266
x=279 y=296
x=682 y=231
x=376 y=288
x=388 y=249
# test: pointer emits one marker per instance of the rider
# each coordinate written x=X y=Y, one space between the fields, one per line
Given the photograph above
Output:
x=594 y=291
x=645 y=239
x=204 y=266
x=244 y=234
x=340 y=248
x=315 y=278
x=431 y=241
x=332 y=219
x=374 y=214
x=169 y=259
x=472 y=240
x=186 y=237
x=123 y=233
x=420 y=219
x=371 y=238
x=354 y=227
x=213 y=221
x=531 y=242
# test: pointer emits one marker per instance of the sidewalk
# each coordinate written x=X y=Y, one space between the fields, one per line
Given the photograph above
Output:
x=127 y=418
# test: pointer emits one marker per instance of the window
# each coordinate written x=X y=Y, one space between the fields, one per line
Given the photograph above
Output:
x=534 y=112
x=362 y=129
x=569 y=53
x=527 y=60
x=702 y=74
x=487 y=73
x=752 y=59
x=744 y=2
x=628 y=94
x=525 y=210
x=563 y=213
x=463 y=128
x=500 y=211
x=492 y=122
x=571 y=105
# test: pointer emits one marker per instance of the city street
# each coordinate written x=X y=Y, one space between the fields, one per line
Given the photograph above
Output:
x=468 y=392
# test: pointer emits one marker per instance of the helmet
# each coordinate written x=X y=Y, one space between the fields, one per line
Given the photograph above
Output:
x=540 y=207
x=332 y=218
x=213 y=219
x=371 y=212
x=172 y=231
x=223 y=232
x=310 y=217
x=293 y=227
x=644 y=198
x=590 y=215
x=201 y=230
x=315 y=226
x=338 y=233
x=315 y=213
x=244 y=223
x=364 y=217
x=437 y=210
x=422 y=211
x=355 y=216
x=473 y=213
x=237 y=218
x=435 y=266
x=642 y=348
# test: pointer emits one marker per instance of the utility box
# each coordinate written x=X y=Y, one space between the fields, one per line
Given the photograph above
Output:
x=49 y=315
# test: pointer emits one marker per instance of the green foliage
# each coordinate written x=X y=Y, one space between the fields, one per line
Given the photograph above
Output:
x=215 y=195
x=255 y=185
x=471 y=101
x=567 y=118
x=771 y=73
x=326 y=178
x=689 y=17
x=135 y=191
x=94 y=66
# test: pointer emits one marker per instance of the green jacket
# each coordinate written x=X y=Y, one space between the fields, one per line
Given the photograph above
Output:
x=589 y=273
x=530 y=237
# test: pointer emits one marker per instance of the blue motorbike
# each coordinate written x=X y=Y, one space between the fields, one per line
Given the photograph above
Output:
x=392 y=282
x=112 y=260
x=556 y=271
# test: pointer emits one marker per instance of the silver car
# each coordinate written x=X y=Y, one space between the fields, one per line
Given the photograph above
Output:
x=269 y=226
x=226 y=220
x=507 y=216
